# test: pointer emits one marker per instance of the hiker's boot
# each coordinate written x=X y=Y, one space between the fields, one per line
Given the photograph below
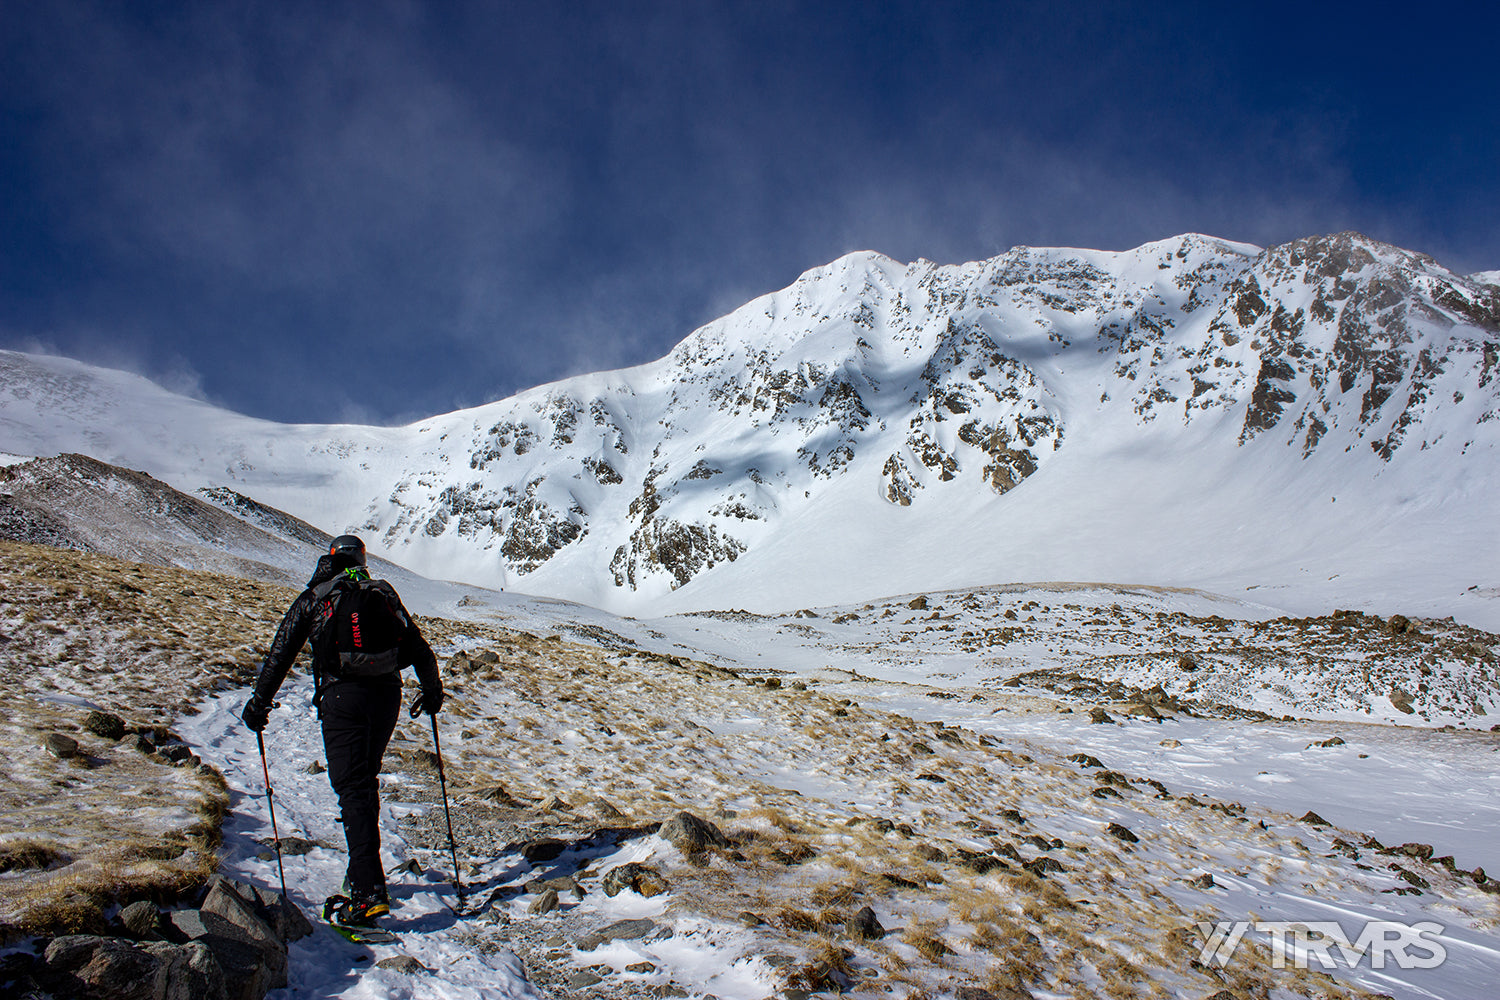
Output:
x=361 y=910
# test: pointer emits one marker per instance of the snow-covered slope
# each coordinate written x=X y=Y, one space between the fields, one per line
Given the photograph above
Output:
x=1314 y=423
x=76 y=502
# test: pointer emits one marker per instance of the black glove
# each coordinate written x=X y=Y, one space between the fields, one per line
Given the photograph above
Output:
x=428 y=701
x=256 y=714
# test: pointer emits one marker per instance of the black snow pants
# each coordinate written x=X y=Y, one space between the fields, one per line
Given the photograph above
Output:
x=359 y=716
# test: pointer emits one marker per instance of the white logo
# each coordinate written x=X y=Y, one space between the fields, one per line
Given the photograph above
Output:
x=1410 y=946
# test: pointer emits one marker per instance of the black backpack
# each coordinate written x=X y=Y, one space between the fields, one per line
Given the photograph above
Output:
x=359 y=628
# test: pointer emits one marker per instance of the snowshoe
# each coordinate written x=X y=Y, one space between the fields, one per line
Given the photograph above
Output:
x=359 y=911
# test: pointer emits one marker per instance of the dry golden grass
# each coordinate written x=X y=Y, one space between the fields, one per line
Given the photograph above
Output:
x=648 y=732
x=112 y=824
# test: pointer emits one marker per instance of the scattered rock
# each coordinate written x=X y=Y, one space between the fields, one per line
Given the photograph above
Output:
x=189 y=972
x=1099 y=716
x=690 y=834
x=605 y=809
x=1204 y=881
x=620 y=930
x=1332 y=741
x=291 y=847
x=1410 y=877
x=105 y=724
x=104 y=968
x=917 y=604
x=404 y=964
x=545 y=903
x=176 y=753
x=1170 y=744
x=583 y=979
x=748 y=919
x=141 y=920
x=1122 y=833
x=493 y=793
x=1313 y=819
x=1401 y=700
x=1041 y=866
x=865 y=926
x=545 y=849
x=634 y=876
x=316 y=767
x=1087 y=760
x=1422 y=851
x=641 y=967
x=60 y=746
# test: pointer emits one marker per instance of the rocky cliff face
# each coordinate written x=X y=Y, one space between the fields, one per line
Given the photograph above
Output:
x=906 y=377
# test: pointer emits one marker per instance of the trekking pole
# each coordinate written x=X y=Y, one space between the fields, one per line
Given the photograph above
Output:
x=437 y=747
x=270 y=804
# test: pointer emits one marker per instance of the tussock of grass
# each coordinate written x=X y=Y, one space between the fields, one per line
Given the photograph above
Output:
x=927 y=942
x=27 y=854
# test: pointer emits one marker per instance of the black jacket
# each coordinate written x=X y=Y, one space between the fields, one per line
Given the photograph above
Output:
x=297 y=626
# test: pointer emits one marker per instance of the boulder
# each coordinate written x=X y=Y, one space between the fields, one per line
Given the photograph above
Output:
x=60 y=746
x=865 y=926
x=545 y=903
x=636 y=877
x=105 y=724
x=690 y=834
x=1401 y=700
x=283 y=917
x=545 y=849
x=141 y=920
x=250 y=950
x=188 y=972
x=620 y=930
x=101 y=968
x=1099 y=716
x=404 y=964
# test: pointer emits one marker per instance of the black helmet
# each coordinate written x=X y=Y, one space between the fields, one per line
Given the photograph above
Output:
x=350 y=548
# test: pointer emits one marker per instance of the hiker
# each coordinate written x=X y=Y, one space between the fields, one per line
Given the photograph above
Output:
x=362 y=637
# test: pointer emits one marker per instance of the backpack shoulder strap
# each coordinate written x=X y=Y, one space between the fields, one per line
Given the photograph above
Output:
x=322 y=590
x=392 y=598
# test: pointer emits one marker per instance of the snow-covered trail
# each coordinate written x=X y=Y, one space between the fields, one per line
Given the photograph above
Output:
x=324 y=965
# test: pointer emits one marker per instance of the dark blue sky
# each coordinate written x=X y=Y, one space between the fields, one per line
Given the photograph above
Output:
x=382 y=210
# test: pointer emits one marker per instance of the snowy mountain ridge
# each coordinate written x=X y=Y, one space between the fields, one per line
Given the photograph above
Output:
x=1313 y=422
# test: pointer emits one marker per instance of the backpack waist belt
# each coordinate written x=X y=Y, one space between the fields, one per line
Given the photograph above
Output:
x=369 y=664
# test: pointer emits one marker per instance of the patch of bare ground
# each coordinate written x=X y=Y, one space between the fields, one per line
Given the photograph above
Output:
x=982 y=865
x=90 y=819
x=985 y=865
